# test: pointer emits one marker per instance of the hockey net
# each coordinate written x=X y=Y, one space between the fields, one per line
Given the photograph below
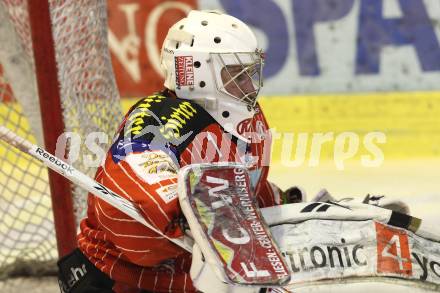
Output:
x=89 y=103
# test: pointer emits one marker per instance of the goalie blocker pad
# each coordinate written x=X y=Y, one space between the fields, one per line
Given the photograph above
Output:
x=222 y=213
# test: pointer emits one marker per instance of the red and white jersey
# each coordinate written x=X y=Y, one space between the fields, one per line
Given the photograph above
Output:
x=159 y=135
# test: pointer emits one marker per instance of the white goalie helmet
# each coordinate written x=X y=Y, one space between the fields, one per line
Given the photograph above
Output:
x=213 y=59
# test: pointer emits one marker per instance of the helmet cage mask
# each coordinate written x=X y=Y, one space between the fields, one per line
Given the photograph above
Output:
x=238 y=74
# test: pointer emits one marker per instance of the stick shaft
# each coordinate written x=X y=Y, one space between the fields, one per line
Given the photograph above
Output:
x=79 y=178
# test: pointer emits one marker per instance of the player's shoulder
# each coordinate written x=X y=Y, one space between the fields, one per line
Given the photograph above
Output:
x=172 y=117
x=163 y=106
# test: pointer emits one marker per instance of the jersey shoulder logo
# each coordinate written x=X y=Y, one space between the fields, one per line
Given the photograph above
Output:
x=164 y=122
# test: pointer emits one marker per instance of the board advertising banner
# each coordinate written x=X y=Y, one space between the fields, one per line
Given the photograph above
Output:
x=137 y=29
x=312 y=46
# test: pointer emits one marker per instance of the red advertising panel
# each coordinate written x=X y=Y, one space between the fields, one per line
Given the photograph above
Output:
x=137 y=29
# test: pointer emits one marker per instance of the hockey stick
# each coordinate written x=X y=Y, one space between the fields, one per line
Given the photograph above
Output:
x=122 y=204
x=84 y=181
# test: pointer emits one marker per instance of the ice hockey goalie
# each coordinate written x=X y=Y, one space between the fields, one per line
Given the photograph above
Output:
x=208 y=112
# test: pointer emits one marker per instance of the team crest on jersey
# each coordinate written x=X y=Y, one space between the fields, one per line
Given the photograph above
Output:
x=152 y=166
x=244 y=126
x=184 y=70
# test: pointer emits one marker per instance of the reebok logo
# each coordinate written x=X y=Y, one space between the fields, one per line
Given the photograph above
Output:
x=321 y=207
x=59 y=163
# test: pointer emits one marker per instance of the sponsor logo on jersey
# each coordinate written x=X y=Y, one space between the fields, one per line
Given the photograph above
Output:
x=171 y=123
x=168 y=192
x=175 y=122
x=184 y=70
x=136 y=119
x=152 y=166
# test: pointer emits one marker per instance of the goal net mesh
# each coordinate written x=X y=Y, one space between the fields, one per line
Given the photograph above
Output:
x=90 y=103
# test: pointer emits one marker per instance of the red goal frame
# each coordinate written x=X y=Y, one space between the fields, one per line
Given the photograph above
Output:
x=53 y=125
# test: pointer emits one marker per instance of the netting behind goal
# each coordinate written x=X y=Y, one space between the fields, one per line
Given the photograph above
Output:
x=90 y=103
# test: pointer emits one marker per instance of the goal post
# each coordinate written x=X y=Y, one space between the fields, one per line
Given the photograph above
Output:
x=55 y=76
x=52 y=121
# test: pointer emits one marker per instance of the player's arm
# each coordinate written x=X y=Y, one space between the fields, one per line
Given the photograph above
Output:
x=148 y=178
x=269 y=193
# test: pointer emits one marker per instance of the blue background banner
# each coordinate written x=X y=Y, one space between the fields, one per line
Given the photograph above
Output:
x=344 y=45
